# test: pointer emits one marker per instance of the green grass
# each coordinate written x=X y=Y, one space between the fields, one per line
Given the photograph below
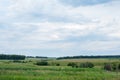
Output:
x=29 y=71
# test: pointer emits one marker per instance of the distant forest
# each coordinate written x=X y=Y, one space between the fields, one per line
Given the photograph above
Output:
x=11 y=57
x=90 y=57
x=36 y=57
x=22 y=57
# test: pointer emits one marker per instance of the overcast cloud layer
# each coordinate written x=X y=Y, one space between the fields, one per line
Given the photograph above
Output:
x=60 y=27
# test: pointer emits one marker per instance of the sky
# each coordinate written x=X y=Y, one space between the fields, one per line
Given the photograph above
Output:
x=56 y=28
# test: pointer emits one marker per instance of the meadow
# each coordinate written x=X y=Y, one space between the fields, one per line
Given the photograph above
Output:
x=27 y=70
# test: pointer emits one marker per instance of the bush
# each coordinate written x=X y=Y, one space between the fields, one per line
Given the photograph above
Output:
x=42 y=63
x=86 y=65
x=119 y=66
x=54 y=64
x=108 y=66
x=72 y=65
x=57 y=64
x=112 y=66
x=16 y=61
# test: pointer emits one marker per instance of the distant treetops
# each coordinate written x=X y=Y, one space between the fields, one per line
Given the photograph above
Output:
x=89 y=57
x=11 y=57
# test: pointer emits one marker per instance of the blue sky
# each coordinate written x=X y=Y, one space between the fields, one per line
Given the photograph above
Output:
x=60 y=27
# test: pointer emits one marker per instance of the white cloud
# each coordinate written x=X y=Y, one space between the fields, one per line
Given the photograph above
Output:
x=101 y=45
x=33 y=24
x=53 y=31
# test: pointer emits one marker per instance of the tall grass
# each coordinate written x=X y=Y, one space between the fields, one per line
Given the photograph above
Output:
x=29 y=71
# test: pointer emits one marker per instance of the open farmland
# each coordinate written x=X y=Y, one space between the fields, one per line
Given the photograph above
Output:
x=27 y=70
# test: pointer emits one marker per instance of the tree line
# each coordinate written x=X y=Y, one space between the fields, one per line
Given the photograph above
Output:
x=90 y=57
x=11 y=57
x=36 y=57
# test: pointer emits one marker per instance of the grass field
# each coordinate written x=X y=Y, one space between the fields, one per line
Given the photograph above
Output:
x=29 y=71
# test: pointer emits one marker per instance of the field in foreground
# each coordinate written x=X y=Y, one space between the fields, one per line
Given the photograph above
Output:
x=29 y=71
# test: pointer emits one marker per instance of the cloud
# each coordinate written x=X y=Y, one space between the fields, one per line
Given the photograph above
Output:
x=77 y=3
x=101 y=45
x=41 y=25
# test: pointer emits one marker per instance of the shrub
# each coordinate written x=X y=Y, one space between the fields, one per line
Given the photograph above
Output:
x=86 y=65
x=108 y=66
x=119 y=66
x=57 y=64
x=112 y=66
x=54 y=64
x=72 y=65
x=16 y=61
x=42 y=63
